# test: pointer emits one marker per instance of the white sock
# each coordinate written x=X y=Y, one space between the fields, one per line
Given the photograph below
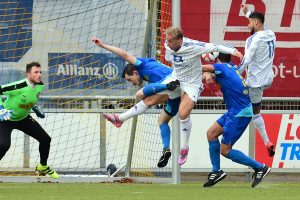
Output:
x=260 y=126
x=185 y=130
x=137 y=109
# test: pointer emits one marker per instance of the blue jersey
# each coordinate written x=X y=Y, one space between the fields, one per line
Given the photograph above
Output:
x=234 y=89
x=151 y=70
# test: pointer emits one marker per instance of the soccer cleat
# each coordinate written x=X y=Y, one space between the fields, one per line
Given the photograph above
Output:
x=183 y=156
x=163 y=161
x=114 y=119
x=259 y=175
x=42 y=170
x=213 y=178
x=270 y=148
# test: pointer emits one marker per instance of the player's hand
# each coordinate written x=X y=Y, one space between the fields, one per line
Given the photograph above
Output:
x=5 y=114
x=97 y=41
x=238 y=54
x=38 y=111
x=208 y=77
x=244 y=7
x=173 y=85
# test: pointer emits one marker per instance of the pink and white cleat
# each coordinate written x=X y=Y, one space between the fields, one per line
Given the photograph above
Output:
x=183 y=156
x=114 y=119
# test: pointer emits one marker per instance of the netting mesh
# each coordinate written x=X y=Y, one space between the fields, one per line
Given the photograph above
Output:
x=80 y=80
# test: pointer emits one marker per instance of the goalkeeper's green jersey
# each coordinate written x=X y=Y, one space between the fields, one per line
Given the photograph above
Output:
x=21 y=96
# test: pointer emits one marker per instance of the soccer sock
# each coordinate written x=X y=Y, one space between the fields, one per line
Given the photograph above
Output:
x=214 y=154
x=260 y=126
x=186 y=126
x=43 y=164
x=44 y=148
x=137 y=109
x=239 y=157
x=165 y=133
x=154 y=88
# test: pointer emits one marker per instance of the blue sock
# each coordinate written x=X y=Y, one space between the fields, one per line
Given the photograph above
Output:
x=239 y=157
x=154 y=88
x=214 y=154
x=165 y=133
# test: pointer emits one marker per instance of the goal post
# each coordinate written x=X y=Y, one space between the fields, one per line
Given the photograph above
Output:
x=81 y=82
x=176 y=126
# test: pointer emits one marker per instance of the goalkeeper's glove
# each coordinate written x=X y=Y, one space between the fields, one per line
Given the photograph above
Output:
x=5 y=114
x=172 y=85
x=38 y=111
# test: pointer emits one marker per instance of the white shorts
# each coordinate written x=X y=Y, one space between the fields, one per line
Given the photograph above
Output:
x=256 y=93
x=172 y=94
x=193 y=91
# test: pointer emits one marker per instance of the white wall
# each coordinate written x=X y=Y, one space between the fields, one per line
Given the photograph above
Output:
x=76 y=143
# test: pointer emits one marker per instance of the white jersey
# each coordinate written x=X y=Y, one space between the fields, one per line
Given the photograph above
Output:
x=187 y=63
x=259 y=55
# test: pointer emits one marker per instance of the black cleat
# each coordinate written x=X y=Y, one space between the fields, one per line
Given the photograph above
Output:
x=163 y=161
x=173 y=85
x=213 y=178
x=259 y=175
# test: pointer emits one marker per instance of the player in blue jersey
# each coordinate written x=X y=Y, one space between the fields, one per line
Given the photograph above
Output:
x=162 y=88
x=233 y=123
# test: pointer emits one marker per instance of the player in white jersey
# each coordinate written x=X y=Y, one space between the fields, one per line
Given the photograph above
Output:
x=184 y=54
x=259 y=55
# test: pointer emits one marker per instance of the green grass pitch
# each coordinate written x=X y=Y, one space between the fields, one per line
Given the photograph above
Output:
x=116 y=191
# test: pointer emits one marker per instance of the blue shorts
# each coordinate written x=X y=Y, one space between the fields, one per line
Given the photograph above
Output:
x=172 y=106
x=233 y=127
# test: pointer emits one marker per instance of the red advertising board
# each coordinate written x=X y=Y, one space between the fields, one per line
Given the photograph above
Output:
x=284 y=131
x=222 y=21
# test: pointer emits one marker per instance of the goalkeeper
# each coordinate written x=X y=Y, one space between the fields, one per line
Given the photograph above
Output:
x=156 y=92
x=21 y=97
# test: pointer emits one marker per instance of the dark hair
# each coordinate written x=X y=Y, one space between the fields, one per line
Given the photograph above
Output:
x=224 y=58
x=30 y=65
x=257 y=15
x=129 y=69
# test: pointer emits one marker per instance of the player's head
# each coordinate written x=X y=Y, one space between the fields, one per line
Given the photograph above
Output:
x=131 y=74
x=256 y=21
x=33 y=72
x=174 y=37
x=224 y=58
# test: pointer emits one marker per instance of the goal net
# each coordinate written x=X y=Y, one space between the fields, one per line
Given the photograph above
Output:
x=82 y=81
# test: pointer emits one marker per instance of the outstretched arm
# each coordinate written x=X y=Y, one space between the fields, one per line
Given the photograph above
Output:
x=245 y=9
x=203 y=48
x=208 y=68
x=120 y=52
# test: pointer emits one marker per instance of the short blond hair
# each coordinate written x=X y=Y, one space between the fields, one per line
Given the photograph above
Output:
x=174 y=31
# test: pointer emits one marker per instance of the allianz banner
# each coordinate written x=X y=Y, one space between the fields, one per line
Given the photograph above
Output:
x=85 y=71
